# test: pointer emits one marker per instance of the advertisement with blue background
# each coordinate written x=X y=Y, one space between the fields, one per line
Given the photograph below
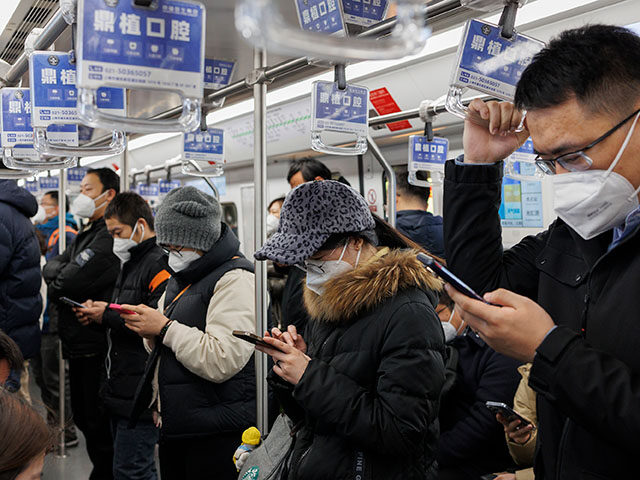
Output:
x=207 y=146
x=322 y=16
x=217 y=73
x=489 y=63
x=364 y=12
x=424 y=153
x=340 y=110
x=121 y=44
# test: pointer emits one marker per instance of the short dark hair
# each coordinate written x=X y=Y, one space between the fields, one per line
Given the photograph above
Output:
x=310 y=168
x=279 y=199
x=599 y=65
x=128 y=207
x=108 y=178
x=403 y=187
x=54 y=195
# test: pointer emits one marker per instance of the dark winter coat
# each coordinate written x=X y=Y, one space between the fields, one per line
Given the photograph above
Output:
x=423 y=228
x=20 y=280
x=142 y=280
x=587 y=371
x=369 y=395
x=293 y=311
x=471 y=439
x=192 y=406
x=87 y=269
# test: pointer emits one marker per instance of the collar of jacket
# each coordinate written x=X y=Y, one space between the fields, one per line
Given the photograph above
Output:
x=52 y=224
x=368 y=285
x=222 y=251
x=142 y=248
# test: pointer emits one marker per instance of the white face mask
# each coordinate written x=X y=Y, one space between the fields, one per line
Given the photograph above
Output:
x=450 y=331
x=594 y=201
x=272 y=224
x=84 y=206
x=320 y=271
x=178 y=261
x=121 y=246
x=42 y=215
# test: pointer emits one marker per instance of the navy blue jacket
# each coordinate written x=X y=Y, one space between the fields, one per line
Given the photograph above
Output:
x=422 y=227
x=20 y=302
x=471 y=439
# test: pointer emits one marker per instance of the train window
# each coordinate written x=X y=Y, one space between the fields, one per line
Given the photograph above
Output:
x=230 y=216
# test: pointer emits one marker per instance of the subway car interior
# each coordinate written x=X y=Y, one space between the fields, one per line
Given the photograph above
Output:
x=226 y=96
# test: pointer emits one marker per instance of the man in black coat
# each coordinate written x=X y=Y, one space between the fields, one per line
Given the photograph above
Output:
x=87 y=269
x=142 y=280
x=20 y=302
x=572 y=307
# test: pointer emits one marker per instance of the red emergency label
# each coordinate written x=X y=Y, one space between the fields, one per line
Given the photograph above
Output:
x=384 y=103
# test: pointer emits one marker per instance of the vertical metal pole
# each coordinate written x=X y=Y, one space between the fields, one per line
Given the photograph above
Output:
x=361 y=173
x=124 y=169
x=260 y=205
x=62 y=246
x=391 y=176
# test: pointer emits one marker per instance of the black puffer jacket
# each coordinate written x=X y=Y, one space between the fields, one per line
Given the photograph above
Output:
x=370 y=393
x=20 y=302
x=587 y=371
x=86 y=270
x=142 y=279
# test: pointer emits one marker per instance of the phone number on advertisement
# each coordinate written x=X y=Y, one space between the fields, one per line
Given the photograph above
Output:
x=128 y=71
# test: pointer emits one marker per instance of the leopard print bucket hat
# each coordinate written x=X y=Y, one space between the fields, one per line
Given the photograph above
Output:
x=310 y=214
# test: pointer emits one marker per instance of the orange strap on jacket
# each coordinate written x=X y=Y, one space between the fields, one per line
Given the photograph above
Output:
x=159 y=279
x=175 y=299
x=53 y=239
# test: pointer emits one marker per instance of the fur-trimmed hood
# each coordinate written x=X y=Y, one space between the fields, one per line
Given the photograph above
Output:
x=368 y=285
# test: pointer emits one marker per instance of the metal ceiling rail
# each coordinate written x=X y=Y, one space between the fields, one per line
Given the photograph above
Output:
x=287 y=67
x=50 y=33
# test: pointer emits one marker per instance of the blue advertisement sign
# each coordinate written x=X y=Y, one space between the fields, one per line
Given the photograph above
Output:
x=323 y=16
x=52 y=77
x=161 y=47
x=217 y=73
x=424 y=153
x=16 y=117
x=340 y=110
x=148 y=190
x=489 y=63
x=75 y=175
x=205 y=146
x=49 y=183
x=165 y=186
x=31 y=186
x=364 y=12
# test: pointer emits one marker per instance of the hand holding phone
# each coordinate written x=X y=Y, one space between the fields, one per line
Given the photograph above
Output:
x=445 y=274
x=508 y=413
x=118 y=308
x=253 y=338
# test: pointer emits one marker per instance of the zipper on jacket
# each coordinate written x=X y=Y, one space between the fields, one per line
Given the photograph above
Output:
x=563 y=439
x=107 y=360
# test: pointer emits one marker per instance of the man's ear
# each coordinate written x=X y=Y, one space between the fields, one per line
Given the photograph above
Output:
x=319 y=178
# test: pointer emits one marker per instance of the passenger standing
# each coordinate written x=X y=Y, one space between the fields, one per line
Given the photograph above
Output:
x=414 y=220
x=20 y=301
x=572 y=304
x=44 y=366
x=471 y=441
x=87 y=269
x=368 y=383
x=204 y=387
x=293 y=311
x=142 y=280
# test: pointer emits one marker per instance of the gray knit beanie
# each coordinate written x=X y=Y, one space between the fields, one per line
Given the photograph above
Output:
x=188 y=218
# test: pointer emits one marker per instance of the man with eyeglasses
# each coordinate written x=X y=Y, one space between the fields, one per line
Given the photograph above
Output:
x=567 y=297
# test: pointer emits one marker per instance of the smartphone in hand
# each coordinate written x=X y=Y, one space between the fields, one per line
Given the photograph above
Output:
x=445 y=274
x=253 y=338
x=508 y=413
x=71 y=303
x=118 y=308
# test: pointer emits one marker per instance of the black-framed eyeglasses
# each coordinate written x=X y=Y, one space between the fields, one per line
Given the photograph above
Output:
x=167 y=251
x=577 y=161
